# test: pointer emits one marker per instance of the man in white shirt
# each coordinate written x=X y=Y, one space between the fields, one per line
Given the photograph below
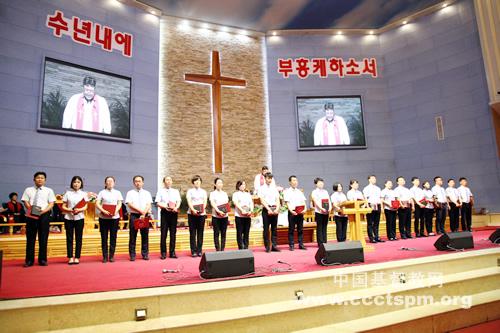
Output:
x=139 y=202
x=270 y=200
x=260 y=179
x=404 y=212
x=331 y=129
x=372 y=194
x=441 y=204
x=296 y=203
x=417 y=195
x=467 y=200
x=454 y=201
x=38 y=201
x=168 y=199
x=87 y=111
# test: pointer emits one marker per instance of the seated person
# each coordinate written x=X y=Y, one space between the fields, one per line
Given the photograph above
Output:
x=15 y=209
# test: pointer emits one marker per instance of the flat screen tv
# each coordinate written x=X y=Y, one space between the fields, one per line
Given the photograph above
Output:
x=78 y=100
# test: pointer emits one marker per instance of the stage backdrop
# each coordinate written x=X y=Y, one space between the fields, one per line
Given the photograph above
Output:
x=185 y=118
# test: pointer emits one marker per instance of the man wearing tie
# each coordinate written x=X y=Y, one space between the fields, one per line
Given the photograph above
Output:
x=38 y=201
x=139 y=204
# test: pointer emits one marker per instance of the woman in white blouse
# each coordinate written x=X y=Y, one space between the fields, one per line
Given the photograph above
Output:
x=243 y=207
x=109 y=202
x=341 y=220
x=197 y=202
x=219 y=202
x=322 y=207
x=354 y=193
x=74 y=206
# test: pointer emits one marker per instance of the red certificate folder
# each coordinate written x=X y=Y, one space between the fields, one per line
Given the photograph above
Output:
x=142 y=223
x=300 y=209
x=33 y=217
x=80 y=204
x=395 y=204
x=224 y=208
x=199 y=209
x=109 y=208
x=423 y=202
x=325 y=204
x=243 y=212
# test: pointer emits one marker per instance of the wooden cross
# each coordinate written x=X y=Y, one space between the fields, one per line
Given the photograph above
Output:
x=216 y=81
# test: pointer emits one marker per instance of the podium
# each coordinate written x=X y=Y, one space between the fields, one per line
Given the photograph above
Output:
x=354 y=210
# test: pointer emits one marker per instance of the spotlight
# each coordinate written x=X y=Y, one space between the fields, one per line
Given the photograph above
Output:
x=243 y=32
x=445 y=5
x=204 y=25
x=274 y=33
x=339 y=32
x=371 y=32
x=405 y=22
x=224 y=29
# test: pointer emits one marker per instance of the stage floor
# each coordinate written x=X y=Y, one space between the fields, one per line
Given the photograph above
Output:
x=91 y=275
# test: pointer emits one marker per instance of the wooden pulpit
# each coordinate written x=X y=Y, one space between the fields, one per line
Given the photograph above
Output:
x=354 y=210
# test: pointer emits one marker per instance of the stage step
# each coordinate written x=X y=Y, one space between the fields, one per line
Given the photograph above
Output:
x=256 y=304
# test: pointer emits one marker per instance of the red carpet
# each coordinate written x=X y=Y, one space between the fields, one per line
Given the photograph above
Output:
x=491 y=326
x=93 y=276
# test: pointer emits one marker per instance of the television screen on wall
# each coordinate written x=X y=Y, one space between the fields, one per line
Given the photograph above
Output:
x=330 y=122
x=78 y=100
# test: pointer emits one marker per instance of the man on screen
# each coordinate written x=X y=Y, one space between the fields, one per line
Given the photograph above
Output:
x=331 y=129
x=87 y=111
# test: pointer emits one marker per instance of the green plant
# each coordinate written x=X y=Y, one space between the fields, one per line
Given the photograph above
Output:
x=52 y=110
x=306 y=133
x=120 y=115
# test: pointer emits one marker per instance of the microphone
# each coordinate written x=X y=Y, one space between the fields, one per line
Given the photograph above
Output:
x=170 y=271
x=408 y=249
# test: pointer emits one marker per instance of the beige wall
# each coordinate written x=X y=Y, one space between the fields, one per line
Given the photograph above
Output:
x=185 y=119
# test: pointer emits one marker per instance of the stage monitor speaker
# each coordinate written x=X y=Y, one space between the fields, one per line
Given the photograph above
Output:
x=340 y=253
x=454 y=241
x=495 y=236
x=227 y=263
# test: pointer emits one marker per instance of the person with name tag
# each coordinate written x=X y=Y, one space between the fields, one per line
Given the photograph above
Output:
x=404 y=211
x=453 y=196
x=429 y=207
x=296 y=203
x=270 y=200
x=197 y=202
x=341 y=220
x=219 y=201
x=109 y=203
x=372 y=194
x=322 y=207
x=467 y=200
x=243 y=208
x=440 y=204
x=139 y=202
x=391 y=206
x=38 y=201
x=419 y=203
x=74 y=207
x=168 y=199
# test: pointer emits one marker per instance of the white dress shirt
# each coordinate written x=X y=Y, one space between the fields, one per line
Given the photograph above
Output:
x=166 y=195
x=319 y=195
x=453 y=194
x=270 y=194
x=388 y=195
x=198 y=197
x=260 y=181
x=242 y=199
x=294 y=197
x=109 y=197
x=439 y=193
x=338 y=198
x=372 y=195
x=464 y=194
x=72 y=198
x=44 y=196
x=220 y=198
x=417 y=193
x=353 y=195
x=404 y=195
x=138 y=198
x=428 y=195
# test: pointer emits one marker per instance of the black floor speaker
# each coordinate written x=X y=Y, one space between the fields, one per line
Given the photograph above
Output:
x=454 y=241
x=226 y=263
x=495 y=237
x=340 y=253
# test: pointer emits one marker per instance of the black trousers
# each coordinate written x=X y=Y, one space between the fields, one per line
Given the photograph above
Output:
x=108 y=226
x=34 y=227
x=466 y=213
x=373 y=221
x=441 y=218
x=419 y=220
x=321 y=227
x=168 y=223
x=404 y=219
x=74 y=227
x=454 y=213
x=341 y=227
x=429 y=215
x=242 y=231
x=196 y=227
x=295 y=221
x=270 y=220
x=390 y=223
x=220 y=226
x=133 y=238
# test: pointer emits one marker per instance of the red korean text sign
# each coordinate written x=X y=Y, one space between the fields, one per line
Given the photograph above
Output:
x=326 y=67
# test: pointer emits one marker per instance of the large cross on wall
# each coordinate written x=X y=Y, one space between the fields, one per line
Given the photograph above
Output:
x=216 y=82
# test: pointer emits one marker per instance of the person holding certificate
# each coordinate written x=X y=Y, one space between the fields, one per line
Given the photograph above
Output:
x=243 y=208
x=74 y=206
x=168 y=200
x=220 y=209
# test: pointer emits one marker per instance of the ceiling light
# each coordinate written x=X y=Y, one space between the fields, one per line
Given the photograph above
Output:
x=371 y=32
x=274 y=33
x=339 y=32
x=445 y=5
x=405 y=22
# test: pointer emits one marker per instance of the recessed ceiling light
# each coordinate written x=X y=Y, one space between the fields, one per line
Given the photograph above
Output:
x=339 y=32
x=371 y=32
x=274 y=33
x=405 y=22
x=445 y=5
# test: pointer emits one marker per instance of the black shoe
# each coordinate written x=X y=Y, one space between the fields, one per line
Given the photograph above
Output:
x=104 y=260
x=163 y=256
x=380 y=240
x=275 y=249
x=268 y=250
x=403 y=237
x=146 y=257
x=28 y=264
x=409 y=236
x=43 y=263
x=302 y=247
x=291 y=248
x=172 y=255
x=132 y=258
x=199 y=254
x=373 y=241
x=111 y=259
